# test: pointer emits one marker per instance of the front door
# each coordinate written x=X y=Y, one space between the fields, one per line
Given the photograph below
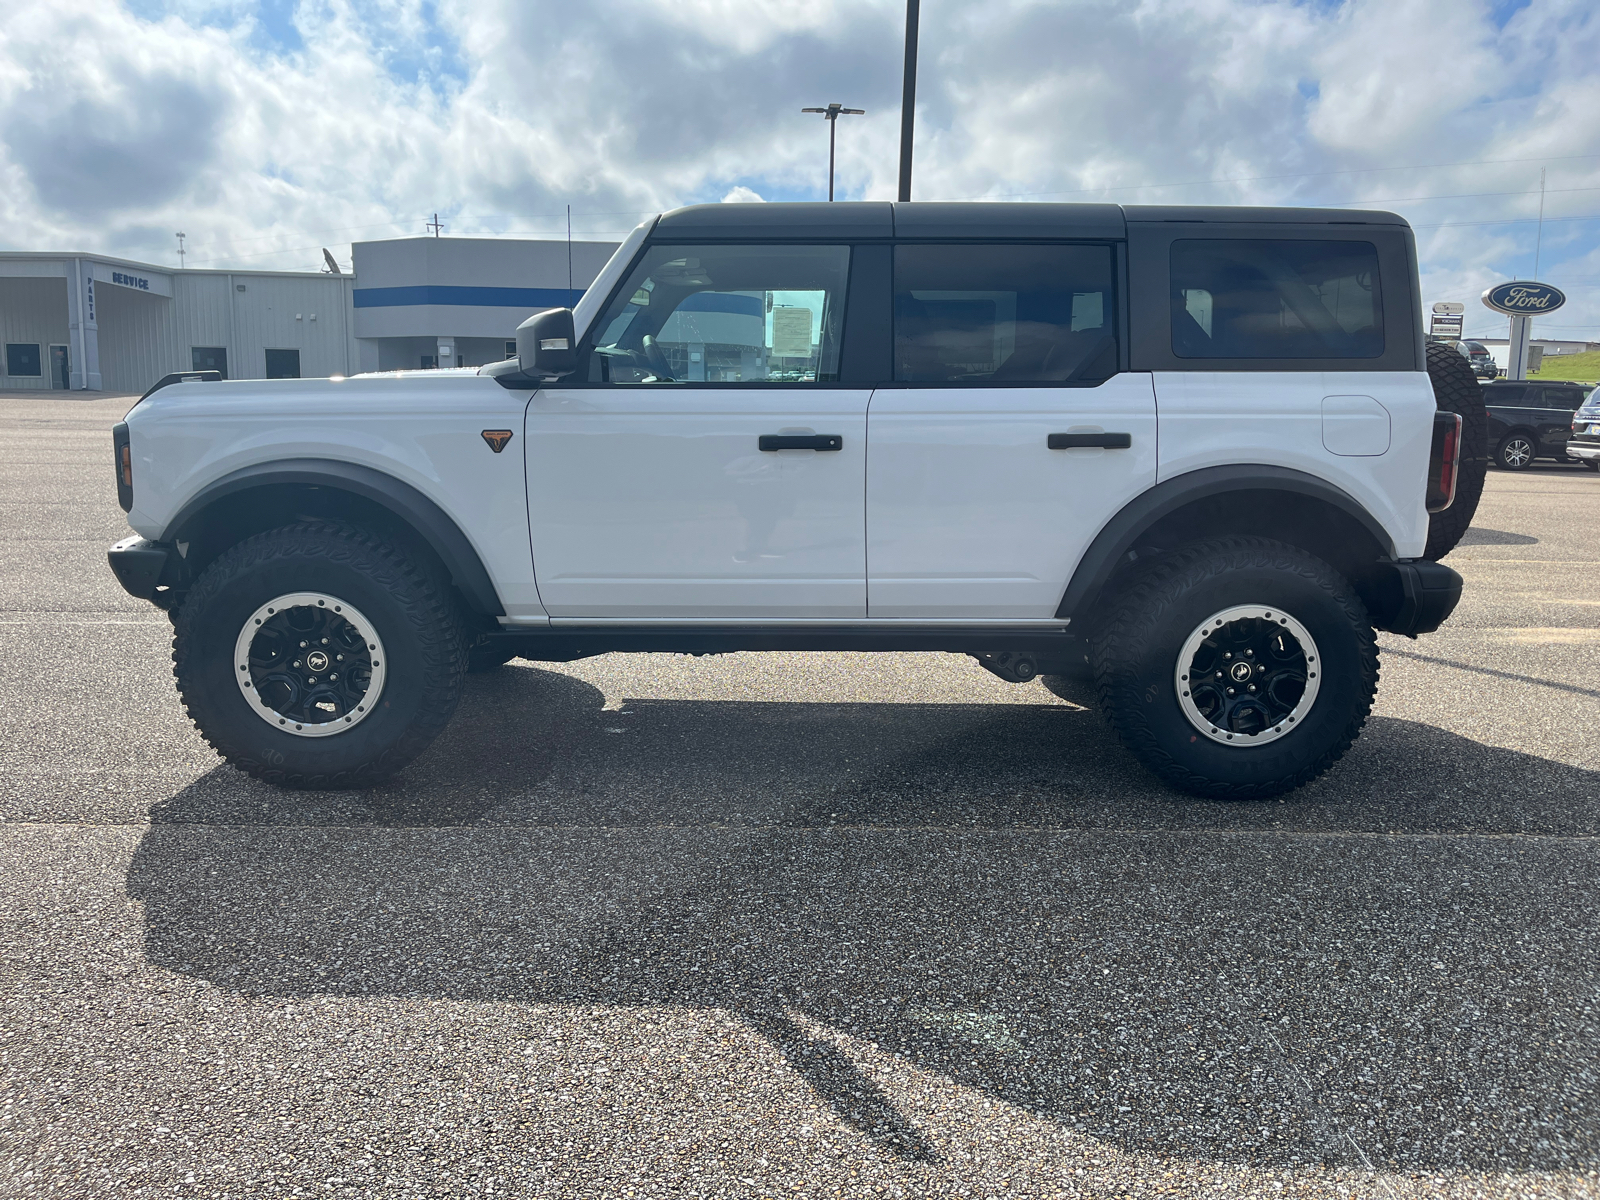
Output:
x=60 y=368
x=706 y=465
x=1008 y=438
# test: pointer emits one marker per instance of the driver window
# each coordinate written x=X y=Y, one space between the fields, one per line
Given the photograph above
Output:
x=725 y=314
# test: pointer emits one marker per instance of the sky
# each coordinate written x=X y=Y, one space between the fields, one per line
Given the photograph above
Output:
x=268 y=129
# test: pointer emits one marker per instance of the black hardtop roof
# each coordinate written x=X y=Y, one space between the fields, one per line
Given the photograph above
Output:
x=982 y=219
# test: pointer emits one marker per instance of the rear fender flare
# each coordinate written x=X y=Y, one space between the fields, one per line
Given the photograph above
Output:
x=1120 y=534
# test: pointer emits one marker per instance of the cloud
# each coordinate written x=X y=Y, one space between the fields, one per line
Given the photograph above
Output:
x=743 y=195
x=267 y=129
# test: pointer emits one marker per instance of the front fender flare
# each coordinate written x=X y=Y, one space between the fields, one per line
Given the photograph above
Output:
x=403 y=501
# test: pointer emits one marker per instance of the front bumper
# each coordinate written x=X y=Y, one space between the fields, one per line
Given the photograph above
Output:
x=1414 y=596
x=146 y=570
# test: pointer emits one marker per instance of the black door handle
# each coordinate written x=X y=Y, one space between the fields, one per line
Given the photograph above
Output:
x=1095 y=441
x=801 y=441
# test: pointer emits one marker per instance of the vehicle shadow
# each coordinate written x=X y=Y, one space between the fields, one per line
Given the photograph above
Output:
x=1478 y=536
x=883 y=874
x=534 y=747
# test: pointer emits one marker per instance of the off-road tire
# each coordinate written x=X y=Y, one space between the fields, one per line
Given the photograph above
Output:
x=408 y=604
x=1136 y=651
x=1456 y=389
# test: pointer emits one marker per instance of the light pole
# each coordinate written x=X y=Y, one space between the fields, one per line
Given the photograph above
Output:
x=833 y=112
x=908 y=97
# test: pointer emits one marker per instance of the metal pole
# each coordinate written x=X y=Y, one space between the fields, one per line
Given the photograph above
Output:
x=1517 y=358
x=908 y=98
x=833 y=125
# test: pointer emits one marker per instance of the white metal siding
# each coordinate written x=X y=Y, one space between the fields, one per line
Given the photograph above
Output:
x=32 y=311
x=275 y=313
x=138 y=341
x=144 y=337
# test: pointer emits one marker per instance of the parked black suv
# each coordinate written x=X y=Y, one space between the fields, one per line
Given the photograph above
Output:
x=1530 y=420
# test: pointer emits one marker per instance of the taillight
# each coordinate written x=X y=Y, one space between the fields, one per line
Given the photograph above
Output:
x=1444 y=464
x=122 y=453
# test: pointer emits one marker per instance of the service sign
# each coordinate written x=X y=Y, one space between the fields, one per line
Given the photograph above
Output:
x=151 y=283
x=1524 y=299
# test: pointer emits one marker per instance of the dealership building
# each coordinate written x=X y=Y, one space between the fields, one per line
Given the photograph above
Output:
x=87 y=321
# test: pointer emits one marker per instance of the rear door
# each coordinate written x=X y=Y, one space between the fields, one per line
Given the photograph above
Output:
x=1007 y=439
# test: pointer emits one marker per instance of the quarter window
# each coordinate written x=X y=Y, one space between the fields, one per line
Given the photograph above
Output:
x=1261 y=298
x=726 y=314
x=1003 y=314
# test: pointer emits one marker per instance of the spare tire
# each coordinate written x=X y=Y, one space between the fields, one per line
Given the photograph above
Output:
x=1456 y=389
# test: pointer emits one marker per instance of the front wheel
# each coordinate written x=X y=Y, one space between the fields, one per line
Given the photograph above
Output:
x=1515 y=452
x=1238 y=669
x=318 y=656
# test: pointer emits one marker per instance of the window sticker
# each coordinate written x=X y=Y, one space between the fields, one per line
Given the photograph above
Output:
x=791 y=332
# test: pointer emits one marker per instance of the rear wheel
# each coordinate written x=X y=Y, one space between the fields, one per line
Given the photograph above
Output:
x=1238 y=669
x=318 y=656
x=1457 y=390
x=1515 y=452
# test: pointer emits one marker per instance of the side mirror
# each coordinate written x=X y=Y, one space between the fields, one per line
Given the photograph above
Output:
x=546 y=344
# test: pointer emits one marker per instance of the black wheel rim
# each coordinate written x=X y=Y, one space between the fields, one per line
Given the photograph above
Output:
x=310 y=664
x=1248 y=675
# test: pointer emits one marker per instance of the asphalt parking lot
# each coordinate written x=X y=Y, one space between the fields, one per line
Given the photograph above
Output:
x=794 y=924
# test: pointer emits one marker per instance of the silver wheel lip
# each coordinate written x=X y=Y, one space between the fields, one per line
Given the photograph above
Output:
x=1226 y=616
x=241 y=664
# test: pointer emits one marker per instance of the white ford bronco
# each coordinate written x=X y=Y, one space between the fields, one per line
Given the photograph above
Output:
x=1183 y=461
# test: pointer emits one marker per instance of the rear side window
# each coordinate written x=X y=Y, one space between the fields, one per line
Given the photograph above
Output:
x=725 y=314
x=1260 y=298
x=1567 y=398
x=1003 y=314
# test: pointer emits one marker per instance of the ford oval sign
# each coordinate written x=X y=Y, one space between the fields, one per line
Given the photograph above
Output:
x=1524 y=299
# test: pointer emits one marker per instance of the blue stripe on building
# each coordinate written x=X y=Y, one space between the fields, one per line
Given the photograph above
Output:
x=724 y=302
x=487 y=297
